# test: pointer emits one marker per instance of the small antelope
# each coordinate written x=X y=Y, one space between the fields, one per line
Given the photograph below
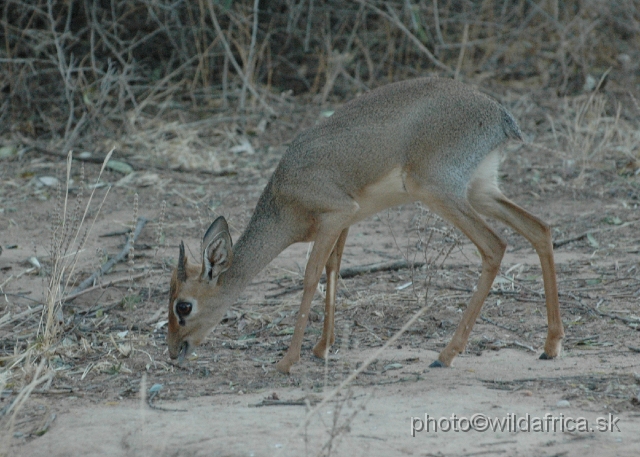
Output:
x=428 y=140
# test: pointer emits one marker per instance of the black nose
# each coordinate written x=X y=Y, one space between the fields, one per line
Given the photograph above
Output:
x=184 y=348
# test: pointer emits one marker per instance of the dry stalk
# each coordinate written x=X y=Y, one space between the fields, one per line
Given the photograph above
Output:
x=250 y=65
x=463 y=47
x=393 y=18
x=433 y=261
x=67 y=241
x=233 y=60
x=63 y=268
x=18 y=403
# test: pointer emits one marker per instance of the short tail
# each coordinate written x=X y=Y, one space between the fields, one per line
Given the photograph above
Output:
x=510 y=126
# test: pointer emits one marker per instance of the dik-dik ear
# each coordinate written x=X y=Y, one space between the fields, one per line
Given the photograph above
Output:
x=182 y=265
x=216 y=255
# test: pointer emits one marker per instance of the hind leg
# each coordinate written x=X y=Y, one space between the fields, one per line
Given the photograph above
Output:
x=457 y=210
x=490 y=201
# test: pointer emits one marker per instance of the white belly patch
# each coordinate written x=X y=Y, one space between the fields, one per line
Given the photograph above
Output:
x=384 y=193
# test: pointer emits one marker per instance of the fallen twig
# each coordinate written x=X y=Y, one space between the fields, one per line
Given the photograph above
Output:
x=376 y=267
x=99 y=159
x=579 y=377
x=517 y=343
x=593 y=310
x=10 y=320
x=351 y=272
x=301 y=402
x=153 y=395
x=75 y=295
x=557 y=244
x=511 y=329
x=108 y=265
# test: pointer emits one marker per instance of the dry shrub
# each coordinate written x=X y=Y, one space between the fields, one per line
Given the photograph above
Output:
x=189 y=146
x=73 y=70
x=34 y=366
x=594 y=132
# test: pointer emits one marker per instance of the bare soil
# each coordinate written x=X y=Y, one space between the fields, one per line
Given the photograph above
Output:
x=113 y=344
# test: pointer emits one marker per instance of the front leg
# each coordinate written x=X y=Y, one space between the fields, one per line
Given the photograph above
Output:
x=322 y=248
x=328 y=337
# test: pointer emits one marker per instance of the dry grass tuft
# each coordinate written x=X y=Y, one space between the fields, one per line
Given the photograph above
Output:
x=69 y=234
x=70 y=228
x=77 y=73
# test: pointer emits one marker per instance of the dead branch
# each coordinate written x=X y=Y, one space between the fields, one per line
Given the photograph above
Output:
x=278 y=403
x=526 y=346
x=7 y=319
x=393 y=18
x=75 y=295
x=490 y=321
x=136 y=166
x=233 y=60
x=160 y=408
x=119 y=258
x=351 y=272
x=593 y=310
x=396 y=265
x=559 y=243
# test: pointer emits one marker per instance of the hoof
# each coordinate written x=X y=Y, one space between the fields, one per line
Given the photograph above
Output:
x=437 y=364
x=321 y=353
x=283 y=366
x=544 y=356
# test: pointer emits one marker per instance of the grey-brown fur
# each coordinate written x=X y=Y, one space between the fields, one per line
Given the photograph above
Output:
x=431 y=140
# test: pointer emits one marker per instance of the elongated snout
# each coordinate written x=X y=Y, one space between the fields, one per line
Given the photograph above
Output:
x=178 y=348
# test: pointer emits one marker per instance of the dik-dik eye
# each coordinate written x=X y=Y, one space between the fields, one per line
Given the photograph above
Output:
x=183 y=309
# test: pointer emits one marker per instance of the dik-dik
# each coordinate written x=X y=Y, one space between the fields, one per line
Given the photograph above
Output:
x=428 y=140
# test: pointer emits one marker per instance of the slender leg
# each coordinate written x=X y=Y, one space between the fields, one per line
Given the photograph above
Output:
x=322 y=247
x=333 y=269
x=460 y=213
x=538 y=234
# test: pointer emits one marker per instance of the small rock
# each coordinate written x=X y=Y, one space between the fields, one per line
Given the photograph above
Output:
x=244 y=146
x=8 y=151
x=589 y=83
x=563 y=404
x=527 y=393
x=119 y=167
x=624 y=59
x=33 y=261
x=48 y=181
x=68 y=342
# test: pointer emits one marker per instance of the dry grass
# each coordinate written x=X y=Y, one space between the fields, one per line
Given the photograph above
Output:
x=194 y=85
x=80 y=74
x=70 y=226
x=591 y=133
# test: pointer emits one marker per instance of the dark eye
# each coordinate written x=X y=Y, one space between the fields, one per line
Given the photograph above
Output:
x=183 y=309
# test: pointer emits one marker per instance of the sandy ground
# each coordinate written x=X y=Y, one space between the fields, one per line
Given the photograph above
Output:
x=113 y=346
x=368 y=421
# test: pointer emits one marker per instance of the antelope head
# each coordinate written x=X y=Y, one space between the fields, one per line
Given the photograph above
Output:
x=196 y=299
